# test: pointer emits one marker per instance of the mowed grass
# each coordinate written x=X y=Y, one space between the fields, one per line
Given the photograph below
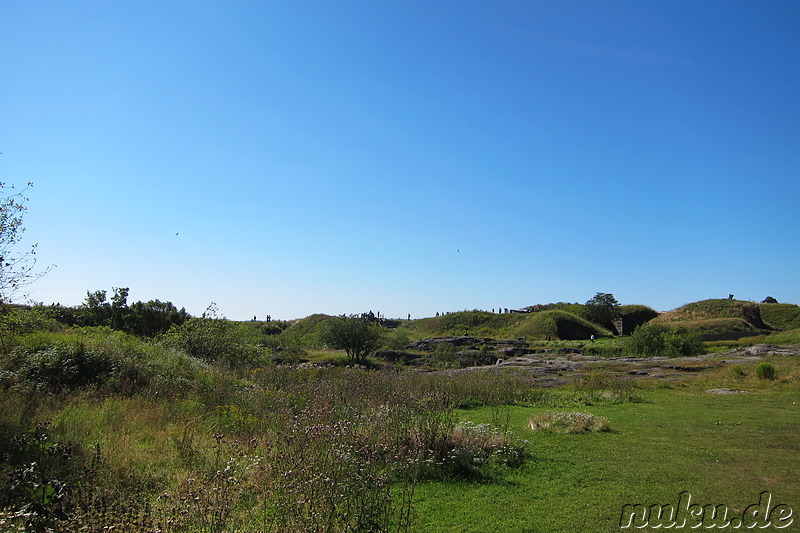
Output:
x=723 y=449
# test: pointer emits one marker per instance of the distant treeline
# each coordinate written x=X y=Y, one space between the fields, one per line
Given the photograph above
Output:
x=144 y=319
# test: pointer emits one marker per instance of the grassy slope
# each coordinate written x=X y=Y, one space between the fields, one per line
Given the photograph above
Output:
x=781 y=316
x=720 y=448
x=304 y=332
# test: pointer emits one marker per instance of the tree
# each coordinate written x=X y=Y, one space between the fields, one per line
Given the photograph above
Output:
x=16 y=268
x=148 y=319
x=602 y=309
x=353 y=335
x=95 y=310
x=119 y=308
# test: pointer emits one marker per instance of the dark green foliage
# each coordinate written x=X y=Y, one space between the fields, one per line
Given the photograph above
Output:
x=152 y=318
x=95 y=311
x=602 y=309
x=62 y=366
x=38 y=476
x=146 y=319
x=353 y=335
x=769 y=300
x=766 y=371
x=660 y=340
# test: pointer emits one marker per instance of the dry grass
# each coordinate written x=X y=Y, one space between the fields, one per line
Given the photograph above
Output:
x=569 y=422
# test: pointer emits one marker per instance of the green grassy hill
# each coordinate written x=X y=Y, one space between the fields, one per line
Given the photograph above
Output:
x=635 y=315
x=717 y=317
x=304 y=332
x=558 y=325
x=537 y=325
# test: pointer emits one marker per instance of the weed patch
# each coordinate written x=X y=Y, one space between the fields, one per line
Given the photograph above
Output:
x=569 y=422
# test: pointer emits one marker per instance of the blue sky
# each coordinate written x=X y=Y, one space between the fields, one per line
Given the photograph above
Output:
x=290 y=158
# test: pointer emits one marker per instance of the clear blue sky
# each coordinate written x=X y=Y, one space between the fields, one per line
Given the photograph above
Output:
x=289 y=158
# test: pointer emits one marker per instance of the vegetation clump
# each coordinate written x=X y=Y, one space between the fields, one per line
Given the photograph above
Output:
x=661 y=340
x=569 y=422
x=766 y=371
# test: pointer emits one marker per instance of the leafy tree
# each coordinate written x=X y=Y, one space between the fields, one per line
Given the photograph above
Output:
x=145 y=319
x=16 y=268
x=95 y=310
x=149 y=319
x=769 y=300
x=353 y=335
x=602 y=309
x=119 y=308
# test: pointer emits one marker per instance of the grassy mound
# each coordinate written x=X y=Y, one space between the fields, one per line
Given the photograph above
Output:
x=558 y=325
x=477 y=323
x=781 y=316
x=635 y=315
x=699 y=312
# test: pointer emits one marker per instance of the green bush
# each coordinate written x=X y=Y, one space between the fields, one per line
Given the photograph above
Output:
x=217 y=339
x=660 y=340
x=61 y=367
x=99 y=357
x=766 y=371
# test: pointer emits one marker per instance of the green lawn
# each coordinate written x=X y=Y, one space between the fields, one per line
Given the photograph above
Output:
x=723 y=449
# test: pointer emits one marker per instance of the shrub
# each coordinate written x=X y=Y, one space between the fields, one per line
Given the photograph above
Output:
x=766 y=371
x=216 y=339
x=660 y=340
x=353 y=335
x=99 y=357
x=60 y=367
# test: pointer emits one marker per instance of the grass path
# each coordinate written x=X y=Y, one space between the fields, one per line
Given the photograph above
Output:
x=721 y=448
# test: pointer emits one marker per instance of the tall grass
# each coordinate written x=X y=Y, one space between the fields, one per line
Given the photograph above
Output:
x=190 y=446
